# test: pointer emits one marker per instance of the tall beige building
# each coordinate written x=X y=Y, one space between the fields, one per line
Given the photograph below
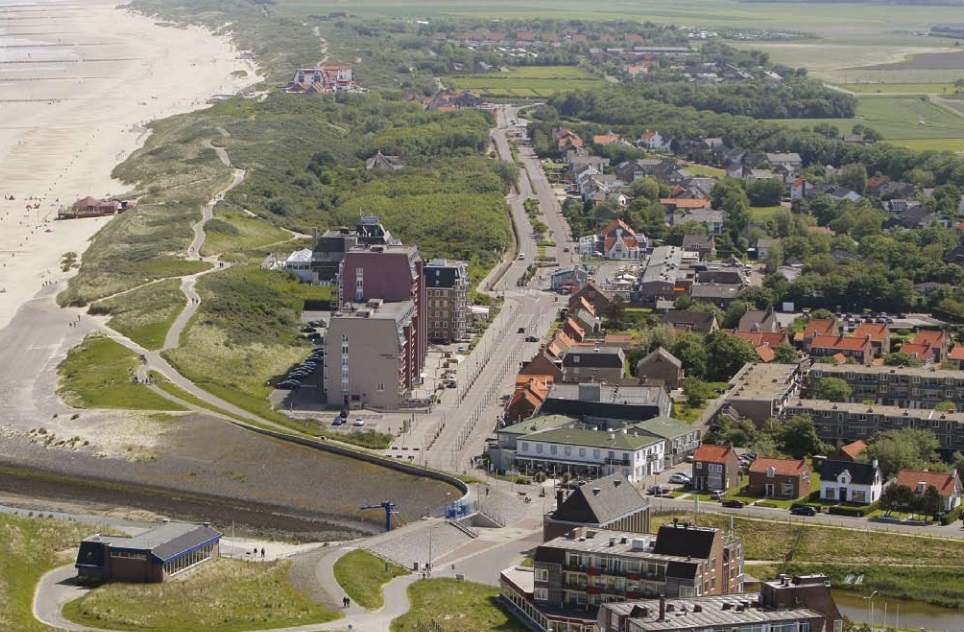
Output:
x=370 y=353
x=447 y=300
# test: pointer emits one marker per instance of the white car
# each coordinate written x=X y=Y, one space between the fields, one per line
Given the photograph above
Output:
x=679 y=477
x=358 y=421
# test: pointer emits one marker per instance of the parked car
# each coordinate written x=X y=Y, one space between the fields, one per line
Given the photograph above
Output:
x=803 y=510
x=679 y=477
x=733 y=503
x=532 y=339
x=658 y=490
x=288 y=384
x=338 y=421
x=358 y=421
x=307 y=330
x=718 y=494
x=566 y=249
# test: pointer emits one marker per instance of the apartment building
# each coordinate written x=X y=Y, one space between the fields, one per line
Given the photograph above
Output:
x=390 y=273
x=801 y=604
x=840 y=423
x=759 y=391
x=591 y=453
x=906 y=387
x=371 y=355
x=573 y=576
x=446 y=299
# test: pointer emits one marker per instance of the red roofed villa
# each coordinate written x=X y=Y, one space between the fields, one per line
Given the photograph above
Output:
x=715 y=468
x=779 y=478
x=947 y=484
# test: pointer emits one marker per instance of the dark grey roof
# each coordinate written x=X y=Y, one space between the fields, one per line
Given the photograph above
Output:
x=860 y=473
x=685 y=541
x=595 y=358
x=601 y=502
x=657 y=356
x=443 y=274
x=193 y=539
x=700 y=322
x=681 y=570
x=165 y=541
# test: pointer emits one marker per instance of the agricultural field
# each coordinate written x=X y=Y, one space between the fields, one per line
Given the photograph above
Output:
x=903 y=120
x=526 y=81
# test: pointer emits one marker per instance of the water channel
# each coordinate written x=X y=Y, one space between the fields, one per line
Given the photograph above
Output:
x=897 y=613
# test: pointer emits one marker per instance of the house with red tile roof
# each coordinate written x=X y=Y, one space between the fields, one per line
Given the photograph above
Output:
x=877 y=333
x=947 y=484
x=656 y=141
x=684 y=204
x=851 y=451
x=860 y=349
x=955 y=359
x=527 y=398
x=715 y=467
x=763 y=341
x=566 y=139
x=574 y=330
x=605 y=139
x=815 y=327
x=939 y=341
x=925 y=353
x=619 y=241
x=542 y=364
x=779 y=478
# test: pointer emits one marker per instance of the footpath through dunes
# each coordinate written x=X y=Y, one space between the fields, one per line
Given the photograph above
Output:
x=65 y=122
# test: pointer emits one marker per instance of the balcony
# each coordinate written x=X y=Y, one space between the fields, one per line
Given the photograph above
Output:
x=594 y=571
x=632 y=575
x=594 y=590
x=632 y=595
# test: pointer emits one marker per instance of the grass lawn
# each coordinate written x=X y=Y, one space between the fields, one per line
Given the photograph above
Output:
x=29 y=548
x=908 y=121
x=233 y=230
x=760 y=214
x=705 y=170
x=145 y=315
x=900 y=88
x=456 y=607
x=223 y=596
x=95 y=375
x=527 y=81
x=362 y=576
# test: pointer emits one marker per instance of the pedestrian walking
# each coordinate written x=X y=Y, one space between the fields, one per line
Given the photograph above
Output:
x=262 y=552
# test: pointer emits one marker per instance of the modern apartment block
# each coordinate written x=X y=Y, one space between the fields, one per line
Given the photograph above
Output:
x=573 y=576
x=389 y=273
x=446 y=292
x=759 y=391
x=371 y=355
x=840 y=423
x=907 y=387
x=801 y=604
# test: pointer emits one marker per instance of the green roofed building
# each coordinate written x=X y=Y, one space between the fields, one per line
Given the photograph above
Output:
x=591 y=453
x=681 y=438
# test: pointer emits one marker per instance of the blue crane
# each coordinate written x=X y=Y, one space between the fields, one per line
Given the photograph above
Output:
x=389 y=508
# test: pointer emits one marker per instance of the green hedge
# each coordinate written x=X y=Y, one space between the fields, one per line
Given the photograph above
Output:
x=951 y=516
x=857 y=512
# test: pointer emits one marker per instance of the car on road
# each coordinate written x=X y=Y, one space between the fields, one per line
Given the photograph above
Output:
x=338 y=421
x=522 y=256
x=733 y=503
x=532 y=339
x=358 y=421
x=679 y=477
x=804 y=510
x=566 y=249
x=658 y=490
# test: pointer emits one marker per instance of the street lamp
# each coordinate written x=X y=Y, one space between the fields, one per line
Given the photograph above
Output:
x=871 y=598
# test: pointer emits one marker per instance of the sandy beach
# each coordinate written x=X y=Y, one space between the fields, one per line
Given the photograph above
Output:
x=78 y=81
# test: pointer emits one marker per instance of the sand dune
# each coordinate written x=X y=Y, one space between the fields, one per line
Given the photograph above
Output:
x=77 y=84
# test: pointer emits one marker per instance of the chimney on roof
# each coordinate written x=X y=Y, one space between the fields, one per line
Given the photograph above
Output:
x=595 y=491
x=662 y=608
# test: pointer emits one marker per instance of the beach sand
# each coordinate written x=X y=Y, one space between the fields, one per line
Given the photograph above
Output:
x=77 y=84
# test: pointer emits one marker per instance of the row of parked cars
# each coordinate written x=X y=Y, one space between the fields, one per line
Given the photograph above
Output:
x=303 y=371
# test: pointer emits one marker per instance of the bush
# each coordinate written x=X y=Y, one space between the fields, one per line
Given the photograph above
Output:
x=951 y=516
x=856 y=512
x=366 y=439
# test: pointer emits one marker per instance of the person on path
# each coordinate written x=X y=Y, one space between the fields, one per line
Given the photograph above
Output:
x=262 y=552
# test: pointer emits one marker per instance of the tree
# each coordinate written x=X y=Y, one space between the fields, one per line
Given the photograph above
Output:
x=784 y=353
x=930 y=501
x=798 y=438
x=691 y=351
x=895 y=497
x=834 y=389
x=765 y=192
x=945 y=407
x=904 y=449
x=697 y=392
x=854 y=176
x=899 y=358
x=726 y=354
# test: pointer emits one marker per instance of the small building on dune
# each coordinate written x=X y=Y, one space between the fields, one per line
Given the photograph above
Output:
x=151 y=557
x=90 y=207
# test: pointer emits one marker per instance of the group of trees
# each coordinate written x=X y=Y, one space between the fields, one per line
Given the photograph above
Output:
x=796 y=437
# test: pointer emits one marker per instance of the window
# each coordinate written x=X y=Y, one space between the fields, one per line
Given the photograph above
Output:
x=541 y=594
x=595 y=453
x=538 y=448
x=568 y=450
x=582 y=452
x=829 y=493
x=553 y=449
x=715 y=468
x=786 y=489
x=380 y=387
x=542 y=574
x=525 y=446
x=699 y=465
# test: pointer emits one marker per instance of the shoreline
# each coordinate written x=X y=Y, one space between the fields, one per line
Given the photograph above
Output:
x=80 y=107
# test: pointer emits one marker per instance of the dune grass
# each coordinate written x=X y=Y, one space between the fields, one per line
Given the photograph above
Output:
x=221 y=596
x=146 y=314
x=29 y=547
x=456 y=607
x=232 y=230
x=95 y=374
x=362 y=576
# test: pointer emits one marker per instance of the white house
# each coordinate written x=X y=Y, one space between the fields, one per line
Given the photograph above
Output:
x=593 y=453
x=851 y=482
x=655 y=141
